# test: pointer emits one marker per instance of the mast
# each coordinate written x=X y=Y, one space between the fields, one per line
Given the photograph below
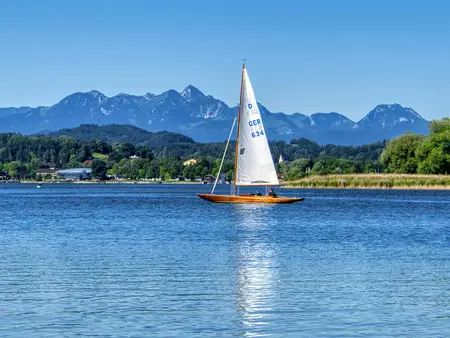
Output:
x=236 y=155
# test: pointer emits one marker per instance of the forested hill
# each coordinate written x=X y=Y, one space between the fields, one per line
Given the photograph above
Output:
x=122 y=133
x=153 y=155
x=170 y=144
x=138 y=154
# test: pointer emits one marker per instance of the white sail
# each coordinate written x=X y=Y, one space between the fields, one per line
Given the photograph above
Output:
x=255 y=164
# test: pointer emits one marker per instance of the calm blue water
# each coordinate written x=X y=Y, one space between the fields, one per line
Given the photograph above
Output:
x=155 y=260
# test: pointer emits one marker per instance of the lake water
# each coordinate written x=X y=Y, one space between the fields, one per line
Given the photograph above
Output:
x=155 y=260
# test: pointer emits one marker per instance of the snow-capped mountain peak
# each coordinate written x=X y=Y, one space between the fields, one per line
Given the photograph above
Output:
x=386 y=116
x=334 y=121
x=96 y=93
x=190 y=93
x=149 y=96
x=79 y=99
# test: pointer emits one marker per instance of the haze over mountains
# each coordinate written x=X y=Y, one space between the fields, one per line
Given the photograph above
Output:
x=207 y=119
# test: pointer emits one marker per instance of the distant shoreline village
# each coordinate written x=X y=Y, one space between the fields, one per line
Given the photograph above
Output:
x=350 y=181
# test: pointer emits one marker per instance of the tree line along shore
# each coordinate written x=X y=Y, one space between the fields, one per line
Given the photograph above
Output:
x=409 y=161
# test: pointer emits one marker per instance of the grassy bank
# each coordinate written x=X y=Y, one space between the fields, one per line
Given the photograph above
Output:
x=373 y=181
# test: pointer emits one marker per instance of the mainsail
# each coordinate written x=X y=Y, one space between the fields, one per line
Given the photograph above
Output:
x=255 y=164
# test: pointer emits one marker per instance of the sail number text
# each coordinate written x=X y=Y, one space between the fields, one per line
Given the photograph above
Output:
x=255 y=123
x=257 y=133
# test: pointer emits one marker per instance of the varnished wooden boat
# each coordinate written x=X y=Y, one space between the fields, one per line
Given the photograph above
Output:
x=253 y=162
x=248 y=199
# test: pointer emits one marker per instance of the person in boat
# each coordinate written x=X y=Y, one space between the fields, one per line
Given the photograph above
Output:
x=272 y=193
x=255 y=194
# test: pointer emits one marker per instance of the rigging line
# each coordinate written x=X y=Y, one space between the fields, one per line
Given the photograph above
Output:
x=219 y=154
x=223 y=157
x=275 y=152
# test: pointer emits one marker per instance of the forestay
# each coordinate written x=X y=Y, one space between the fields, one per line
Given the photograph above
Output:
x=255 y=164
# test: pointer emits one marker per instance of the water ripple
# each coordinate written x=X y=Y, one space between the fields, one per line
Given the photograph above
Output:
x=137 y=260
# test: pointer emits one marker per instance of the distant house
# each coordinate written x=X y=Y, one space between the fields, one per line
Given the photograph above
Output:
x=208 y=179
x=161 y=178
x=192 y=161
x=76 y=173
x=43 y=172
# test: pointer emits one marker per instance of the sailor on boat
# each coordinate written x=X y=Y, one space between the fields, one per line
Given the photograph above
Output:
x=272 y=193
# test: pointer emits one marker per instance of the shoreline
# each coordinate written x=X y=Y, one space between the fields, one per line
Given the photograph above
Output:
x=419 y=187
x=98 y=182
x=349 y=181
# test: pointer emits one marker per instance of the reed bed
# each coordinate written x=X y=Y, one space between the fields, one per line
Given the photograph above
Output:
x=373 y=181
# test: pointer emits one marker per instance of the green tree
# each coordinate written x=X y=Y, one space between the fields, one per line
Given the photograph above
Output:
x=99 y=169
x=16 y=169
x=440 y=126
x=204 y=171
x=153 y=170
x=400 y=154
x=434 y=152
x=163 y=171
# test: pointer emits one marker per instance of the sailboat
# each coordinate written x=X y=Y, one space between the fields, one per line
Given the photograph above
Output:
x=253 y=163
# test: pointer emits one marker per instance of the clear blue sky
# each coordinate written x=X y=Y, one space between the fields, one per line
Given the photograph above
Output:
x=302 y=56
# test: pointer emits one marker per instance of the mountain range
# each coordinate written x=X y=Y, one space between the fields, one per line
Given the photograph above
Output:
x=207 y=119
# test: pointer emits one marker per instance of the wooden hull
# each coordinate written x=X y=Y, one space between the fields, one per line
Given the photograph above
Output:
x=248 y=199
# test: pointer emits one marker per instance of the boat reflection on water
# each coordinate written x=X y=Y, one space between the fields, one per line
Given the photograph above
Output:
x=256 y=269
